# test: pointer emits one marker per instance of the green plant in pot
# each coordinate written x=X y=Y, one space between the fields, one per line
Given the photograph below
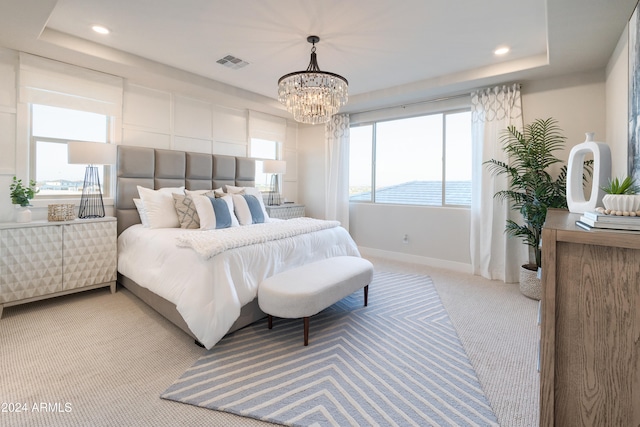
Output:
x=622 y=197
x=533 y=187
x=21 y=194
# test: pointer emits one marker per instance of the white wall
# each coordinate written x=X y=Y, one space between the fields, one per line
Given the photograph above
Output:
x=576 y=101
x=290 y=182
x=165 y=119
x=162 y=119
x=311 y=161
x=436 y=236
x=8 y=117
x=163 y=111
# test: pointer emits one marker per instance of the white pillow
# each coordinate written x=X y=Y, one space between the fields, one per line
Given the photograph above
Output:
x=144 y=219
x=171 y=190
x=219 y=192
x=245 y=214
x=207 y=214
x=253 y=191
x=196 y=192
x=232 y=189
x=158 y=204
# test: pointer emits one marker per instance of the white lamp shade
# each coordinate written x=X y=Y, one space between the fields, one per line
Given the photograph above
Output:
x=91 y=153
x=274 y=166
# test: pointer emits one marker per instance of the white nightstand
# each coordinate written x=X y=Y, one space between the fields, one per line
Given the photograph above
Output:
x=285 y=211
x=42 y=259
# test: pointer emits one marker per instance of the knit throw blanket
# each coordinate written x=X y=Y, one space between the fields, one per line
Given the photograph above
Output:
x=212 y=242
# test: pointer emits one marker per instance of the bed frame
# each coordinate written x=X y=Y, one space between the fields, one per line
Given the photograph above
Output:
x=157 y=168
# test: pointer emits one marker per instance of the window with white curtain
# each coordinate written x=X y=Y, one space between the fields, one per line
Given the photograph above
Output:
x=66 y=103
x=422 y=160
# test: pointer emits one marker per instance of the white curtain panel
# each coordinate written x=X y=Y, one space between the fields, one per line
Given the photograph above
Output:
x=337 y=154
x=494 y=255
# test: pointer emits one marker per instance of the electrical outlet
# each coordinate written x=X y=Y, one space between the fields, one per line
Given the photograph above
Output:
x=405 y=239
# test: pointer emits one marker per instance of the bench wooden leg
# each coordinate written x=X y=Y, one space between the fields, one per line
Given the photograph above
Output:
x=270 y=321
x=306 y=331
x=366 y=295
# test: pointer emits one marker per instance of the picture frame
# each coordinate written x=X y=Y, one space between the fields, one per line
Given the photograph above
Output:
x=634 y=96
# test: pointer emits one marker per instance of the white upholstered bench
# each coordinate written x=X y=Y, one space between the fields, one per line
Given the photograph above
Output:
x=307 y=290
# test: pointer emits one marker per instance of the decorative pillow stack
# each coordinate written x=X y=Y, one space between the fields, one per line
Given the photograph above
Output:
x=186 y=208
x=202 y=209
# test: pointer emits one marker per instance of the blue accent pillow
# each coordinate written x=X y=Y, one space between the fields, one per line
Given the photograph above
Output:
x=221 y=210
x=256 y=210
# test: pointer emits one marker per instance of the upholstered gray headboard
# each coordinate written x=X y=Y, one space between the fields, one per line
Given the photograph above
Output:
x=156 y=168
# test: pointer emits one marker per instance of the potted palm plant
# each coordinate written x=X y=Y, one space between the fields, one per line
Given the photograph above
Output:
x=533 y=188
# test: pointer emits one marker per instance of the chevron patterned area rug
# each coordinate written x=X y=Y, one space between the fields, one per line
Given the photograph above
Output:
x=397 y=362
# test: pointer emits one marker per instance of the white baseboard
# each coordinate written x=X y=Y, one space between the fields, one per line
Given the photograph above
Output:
x=415 y=259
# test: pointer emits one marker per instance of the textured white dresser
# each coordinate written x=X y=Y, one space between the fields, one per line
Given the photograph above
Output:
x=285 y=211
x=43 y=259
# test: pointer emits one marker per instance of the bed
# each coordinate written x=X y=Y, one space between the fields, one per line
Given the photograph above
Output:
x=206 y=295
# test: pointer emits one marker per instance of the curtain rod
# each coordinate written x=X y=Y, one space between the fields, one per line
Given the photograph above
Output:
x=410 y=104
x=444 y=98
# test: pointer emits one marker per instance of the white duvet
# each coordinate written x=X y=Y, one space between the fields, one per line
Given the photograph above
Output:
x=209 y=293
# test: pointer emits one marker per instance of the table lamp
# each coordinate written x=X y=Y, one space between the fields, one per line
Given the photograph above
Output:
x=275 y=168
x=91 y=154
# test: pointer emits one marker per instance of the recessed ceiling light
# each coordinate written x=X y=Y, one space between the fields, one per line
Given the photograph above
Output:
x=100 y=29
x=501 y=51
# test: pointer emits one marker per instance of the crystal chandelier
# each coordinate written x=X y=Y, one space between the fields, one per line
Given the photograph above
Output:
x=313 y=96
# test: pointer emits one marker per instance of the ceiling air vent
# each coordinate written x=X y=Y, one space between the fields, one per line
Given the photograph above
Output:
x=232 y=62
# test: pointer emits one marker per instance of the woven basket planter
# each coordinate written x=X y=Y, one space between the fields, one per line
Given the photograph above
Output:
x=63 y=212
x=530 y=285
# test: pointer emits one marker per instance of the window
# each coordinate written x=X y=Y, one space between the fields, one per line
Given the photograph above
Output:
x=51 y=129
x=360 y=163
x=458 y=162
x=262 y=149
x=424 y=160
x=267 y=135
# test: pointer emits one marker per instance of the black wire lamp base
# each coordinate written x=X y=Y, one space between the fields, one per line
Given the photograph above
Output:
x=91 y=204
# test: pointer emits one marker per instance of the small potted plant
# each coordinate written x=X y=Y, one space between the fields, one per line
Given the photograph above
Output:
x=21 y=196
x=622 y=197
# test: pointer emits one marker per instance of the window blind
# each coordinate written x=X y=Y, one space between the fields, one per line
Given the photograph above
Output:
x=266 y=126
x=48 y=82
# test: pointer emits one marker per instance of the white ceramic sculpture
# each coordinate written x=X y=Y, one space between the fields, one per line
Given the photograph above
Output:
x=575 y=169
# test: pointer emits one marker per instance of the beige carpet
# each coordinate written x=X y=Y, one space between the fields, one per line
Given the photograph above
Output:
x=499 y=331
x=100 y=359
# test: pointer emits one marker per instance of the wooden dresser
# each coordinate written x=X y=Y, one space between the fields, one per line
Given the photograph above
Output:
x=590 y=336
